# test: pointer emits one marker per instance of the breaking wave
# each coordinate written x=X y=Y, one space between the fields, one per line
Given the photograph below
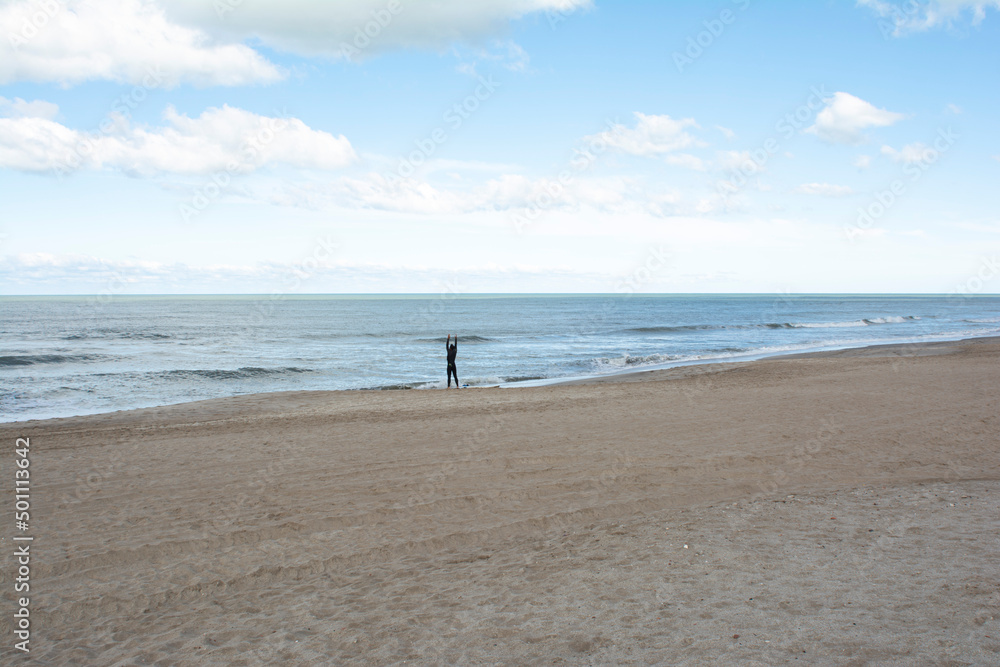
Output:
x=462 y=339
x=36 y=359
x=238 y=374
x=685 y=328
x=119 y=335
x=630 y=361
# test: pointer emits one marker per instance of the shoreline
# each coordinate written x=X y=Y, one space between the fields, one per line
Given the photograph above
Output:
x=670 y=372
x=840 y=508
x=879 y=350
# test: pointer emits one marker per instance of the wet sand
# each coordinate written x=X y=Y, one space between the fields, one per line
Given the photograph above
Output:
x=838 y=508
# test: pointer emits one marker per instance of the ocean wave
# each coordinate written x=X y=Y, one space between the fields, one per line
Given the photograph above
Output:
x=523 y=378
x=685 y=328
x=238 y=374
x=147 y=336
x=629 y=361
x=119 y=335
x=679 y=328
x=892 y=319
x=464 y=339
x=36 y=359
x=475 y=381
x=336 y=336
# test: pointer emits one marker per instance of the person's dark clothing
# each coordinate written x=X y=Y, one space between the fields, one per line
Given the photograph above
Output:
x=452 y=370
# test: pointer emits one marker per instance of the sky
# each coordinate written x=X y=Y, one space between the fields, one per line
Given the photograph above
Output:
x=418 y=146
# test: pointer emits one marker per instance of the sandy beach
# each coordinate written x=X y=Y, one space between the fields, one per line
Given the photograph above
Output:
x=839 y=508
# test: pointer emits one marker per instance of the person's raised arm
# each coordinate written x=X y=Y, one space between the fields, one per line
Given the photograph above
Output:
x=447 y=343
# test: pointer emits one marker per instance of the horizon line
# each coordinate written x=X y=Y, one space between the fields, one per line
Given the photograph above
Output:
x=459 y=295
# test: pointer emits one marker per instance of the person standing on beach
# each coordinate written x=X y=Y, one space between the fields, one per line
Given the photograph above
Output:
x=452 y=353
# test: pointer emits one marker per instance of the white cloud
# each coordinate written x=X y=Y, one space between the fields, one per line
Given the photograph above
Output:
x=726 y=132
x=977 y=227
x=377 y=192
x=913 y=16
x=863 y=161
x=365 y=27
x=846 y=116
x=741 y=161
x=219 y=139
x=954 y=109
x=18 y=108
x=439 y=165
x=909 y=154
x=508 y=194
x=127 y=41
x=35 y=144
x=504 y=193
x=164 y=43
x=875 y=232
x=651 y=136
x=823 y=190
x=507 y=54
x=45 y=273
x=687 y=161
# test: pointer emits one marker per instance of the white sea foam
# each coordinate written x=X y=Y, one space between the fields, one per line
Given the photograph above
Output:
x=892 y=319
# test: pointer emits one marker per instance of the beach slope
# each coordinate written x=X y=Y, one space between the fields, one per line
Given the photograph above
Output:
x=841 y=508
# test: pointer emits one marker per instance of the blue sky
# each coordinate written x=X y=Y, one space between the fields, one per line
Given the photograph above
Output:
x=500 y=146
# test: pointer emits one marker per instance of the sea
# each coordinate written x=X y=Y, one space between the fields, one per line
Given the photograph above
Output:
x=78 y=355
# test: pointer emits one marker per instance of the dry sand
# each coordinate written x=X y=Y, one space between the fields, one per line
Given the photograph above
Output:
x=839 y=509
